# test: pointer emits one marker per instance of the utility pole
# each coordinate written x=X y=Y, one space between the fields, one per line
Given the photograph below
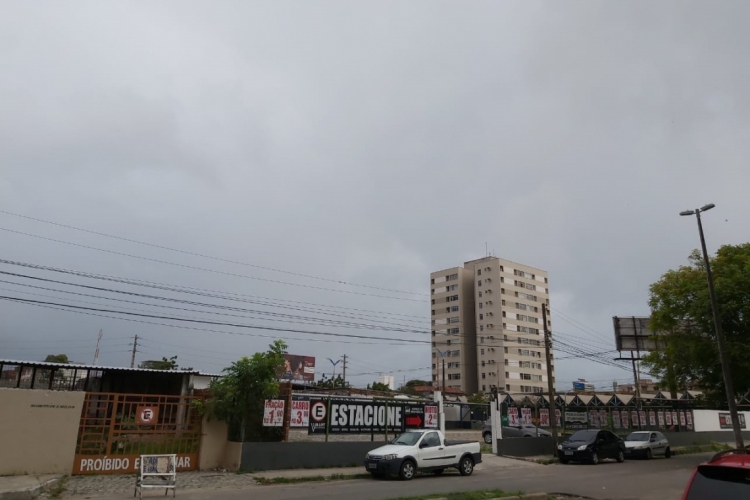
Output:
x=344 y=369
x=135 y=347
x=550 y=383
x=96 y=354
x=443 y=374
x=731 y=402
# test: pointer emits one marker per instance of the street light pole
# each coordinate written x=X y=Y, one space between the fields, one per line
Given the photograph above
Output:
x=732 y=403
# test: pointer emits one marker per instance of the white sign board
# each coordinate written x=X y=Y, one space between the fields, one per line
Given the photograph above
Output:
x=430 y=417
x=273 y=413
x=300 y=414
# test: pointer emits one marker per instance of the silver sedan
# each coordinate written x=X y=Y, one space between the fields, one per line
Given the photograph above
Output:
x=647 y=444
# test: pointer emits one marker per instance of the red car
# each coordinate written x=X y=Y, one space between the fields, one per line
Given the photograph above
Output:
x=725 y=476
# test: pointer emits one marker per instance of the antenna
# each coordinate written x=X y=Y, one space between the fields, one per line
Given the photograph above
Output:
x=98 y=339
x=486 y=250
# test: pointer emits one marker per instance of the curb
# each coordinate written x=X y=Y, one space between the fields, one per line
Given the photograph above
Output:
x=31 y=492
x=530 y=496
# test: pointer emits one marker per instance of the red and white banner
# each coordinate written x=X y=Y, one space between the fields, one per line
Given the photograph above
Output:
x=634 y=418
x=661 y=418
x=594 y=418
x=430 y=416
x=616 y=418
x=669 y=418
x=689 y=417
x=674 y=417
x=544 y=417
x=273 y=413
x=682 y=419
x=558 y=417
x=300 y=414
x=513 y=417
x=603 y=418
x=625 y=419
x=526 y=416
x=652 y=418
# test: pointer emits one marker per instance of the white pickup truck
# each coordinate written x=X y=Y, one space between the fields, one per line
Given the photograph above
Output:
x=425 y=450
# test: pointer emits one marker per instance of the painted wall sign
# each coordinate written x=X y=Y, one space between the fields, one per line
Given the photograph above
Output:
x=123 y=464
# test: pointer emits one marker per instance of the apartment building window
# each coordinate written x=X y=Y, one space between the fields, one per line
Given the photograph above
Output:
x=506 y=362
x=525 y=376
x=507 y=375
x=483 y=377
x=502 y=290
x=453 y=319
x=454 y=376
x=432 y=281
x=453 y=287
x=449 y=342
x=433 y=312
x=433 y=366
x=454 y=364
x=504 y=348
x=479 y=282
x=453 y=331
x=481 y=316
x=454 y=308
x=447 y=309
x=433 y=333
x=480 y=293
x=536 y=378
x=502 y=302
x=433 y=302
x=545 y=280
x=481 y=351
x=454 y=353
x=507 y=387
x=453 y=277
x=484 y=387
x=503 y=314
x=479 y=272
x=483 y=364
x=481 y=328
x=480 y=305
x=453 y=298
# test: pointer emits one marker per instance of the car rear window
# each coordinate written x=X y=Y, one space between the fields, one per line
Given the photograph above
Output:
x=720 y=482
x=585 y=436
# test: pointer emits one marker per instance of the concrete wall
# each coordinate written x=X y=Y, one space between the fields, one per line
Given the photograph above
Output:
x=38 y=430
x=213 y=444
x=692 y=438
x=271 y=456
x=525 y=447
x=708 y=420
x=232 y=456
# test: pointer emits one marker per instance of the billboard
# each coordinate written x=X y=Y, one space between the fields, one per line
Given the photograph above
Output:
x=298 y=368
x=633 y=333
x=348 y=416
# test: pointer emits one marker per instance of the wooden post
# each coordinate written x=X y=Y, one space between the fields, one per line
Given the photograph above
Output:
x=286 y=393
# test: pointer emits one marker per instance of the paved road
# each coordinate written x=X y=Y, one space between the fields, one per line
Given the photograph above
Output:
x=658 y=479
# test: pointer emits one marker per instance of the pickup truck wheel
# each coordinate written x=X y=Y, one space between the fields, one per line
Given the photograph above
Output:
x=407 y=470
x=466 y=467
x=488 y=438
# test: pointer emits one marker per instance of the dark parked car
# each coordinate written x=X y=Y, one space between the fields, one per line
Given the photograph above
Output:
x=726 y=475
x=591 y=446
x=515 y=431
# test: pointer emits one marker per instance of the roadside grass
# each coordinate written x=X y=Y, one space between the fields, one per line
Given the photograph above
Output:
x=265 y=481
x=702 y=448
x=58 y=489
x=466 y=495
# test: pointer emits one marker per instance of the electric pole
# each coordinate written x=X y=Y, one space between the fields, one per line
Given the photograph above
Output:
x=550 y=383
x=135 y=347
x=344 y=369
x=96 y=354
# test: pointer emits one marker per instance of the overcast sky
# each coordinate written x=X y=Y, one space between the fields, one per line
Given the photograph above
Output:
x=366 y=142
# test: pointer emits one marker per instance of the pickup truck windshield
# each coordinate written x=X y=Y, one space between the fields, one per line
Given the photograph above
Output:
x=407 y=438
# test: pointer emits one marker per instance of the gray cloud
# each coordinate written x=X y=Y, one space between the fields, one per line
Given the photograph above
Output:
x=372 y=143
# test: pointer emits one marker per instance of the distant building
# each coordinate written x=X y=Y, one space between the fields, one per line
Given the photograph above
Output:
x=582 y=385
x=646 y=385
x=388 y=380
x=487 y=327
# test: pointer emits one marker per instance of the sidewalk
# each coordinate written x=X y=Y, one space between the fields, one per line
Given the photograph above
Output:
x=25 y=487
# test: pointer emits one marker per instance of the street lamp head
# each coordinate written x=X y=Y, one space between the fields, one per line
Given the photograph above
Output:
x=707 y=207
x=688 y=212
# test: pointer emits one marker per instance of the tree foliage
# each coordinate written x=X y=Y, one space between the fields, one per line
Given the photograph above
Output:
x=379 y=386
x=332 y=383
x=479 y=397
x=681 y=314
x=238 y=397
x=57 y=358
x=163 y=364
x=408 y=387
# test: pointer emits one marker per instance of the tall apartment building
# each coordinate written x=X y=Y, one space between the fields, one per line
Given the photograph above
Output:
x=487 y=326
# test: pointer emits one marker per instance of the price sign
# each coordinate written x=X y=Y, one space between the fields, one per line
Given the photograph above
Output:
x=300 y=414
x=273 y=413
x=430 y=417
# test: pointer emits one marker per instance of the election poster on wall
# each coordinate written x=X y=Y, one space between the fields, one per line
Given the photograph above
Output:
x=674 y=417
x=625 y=419
x=652 y=418
x=634 y=418
x=603 y=418
x=616 y=418
x=642 y=414
x=660 y=415
x=558 y=417
x=689 y=417
x=594 y=418
x=669 y=418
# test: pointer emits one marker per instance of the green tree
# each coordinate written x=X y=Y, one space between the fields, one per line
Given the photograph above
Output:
x=332 y=383
x=479 y=397
x=681 y=314
x=57 y=358
x=408 y=387
x=237 y=398
x=379 y=386
x=163 y=364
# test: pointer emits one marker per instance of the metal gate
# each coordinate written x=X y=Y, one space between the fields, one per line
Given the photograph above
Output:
x=116 y=429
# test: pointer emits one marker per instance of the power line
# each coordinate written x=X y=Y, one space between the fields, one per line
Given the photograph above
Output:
x=235 y=325
x=196 y=268
x=196 y=254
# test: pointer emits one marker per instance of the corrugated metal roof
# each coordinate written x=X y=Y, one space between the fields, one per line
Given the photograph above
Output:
x=45 y=364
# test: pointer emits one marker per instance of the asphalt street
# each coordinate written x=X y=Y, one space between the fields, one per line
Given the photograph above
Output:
x=658 y=479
